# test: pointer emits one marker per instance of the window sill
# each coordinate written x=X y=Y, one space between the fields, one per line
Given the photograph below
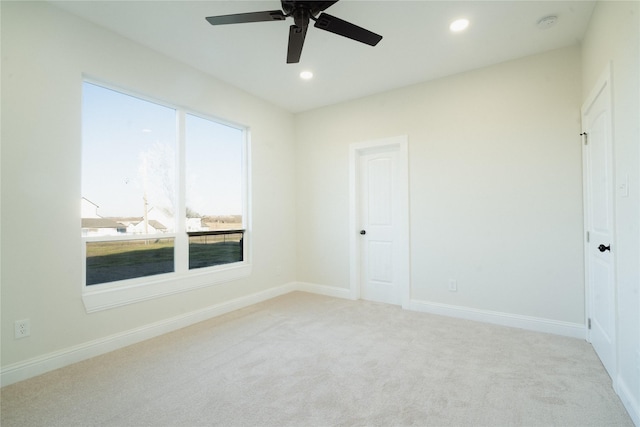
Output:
x=102 y=298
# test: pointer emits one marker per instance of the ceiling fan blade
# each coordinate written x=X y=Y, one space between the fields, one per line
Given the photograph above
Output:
x=239 y=18
x=346 y=29
x=296 y=41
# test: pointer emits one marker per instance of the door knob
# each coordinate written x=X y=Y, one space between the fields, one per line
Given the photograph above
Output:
x=603 y=248
x=363 y=232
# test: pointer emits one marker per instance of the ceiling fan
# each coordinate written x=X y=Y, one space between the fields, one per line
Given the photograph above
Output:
x=302 y=12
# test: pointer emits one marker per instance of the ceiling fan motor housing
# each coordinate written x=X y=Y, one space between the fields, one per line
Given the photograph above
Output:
x=312 y=8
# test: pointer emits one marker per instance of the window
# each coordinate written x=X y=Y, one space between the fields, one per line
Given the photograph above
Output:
x=164 y=193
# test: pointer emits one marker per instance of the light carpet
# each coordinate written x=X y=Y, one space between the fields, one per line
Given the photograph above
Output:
x=310 y=360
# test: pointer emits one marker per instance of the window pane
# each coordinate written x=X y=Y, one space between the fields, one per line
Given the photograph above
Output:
x=213 y=175
x=128 y=164
x=213 y=192
x=120 y=260
x=207 y=250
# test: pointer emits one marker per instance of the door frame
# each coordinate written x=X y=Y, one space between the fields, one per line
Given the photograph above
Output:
x=602 y=84
x=356 y=150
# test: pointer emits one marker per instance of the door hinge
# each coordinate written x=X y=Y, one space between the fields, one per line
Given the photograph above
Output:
x=584 y=139
x=589 y=323
x=588 y=237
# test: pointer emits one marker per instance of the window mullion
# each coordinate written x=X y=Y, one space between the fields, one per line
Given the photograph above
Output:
x=182 y=240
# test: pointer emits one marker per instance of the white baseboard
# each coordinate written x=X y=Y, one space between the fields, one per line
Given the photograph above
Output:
x=628 y=400
x=568 y=329
x=574 y=330
x=48 y=362
x=331 y=291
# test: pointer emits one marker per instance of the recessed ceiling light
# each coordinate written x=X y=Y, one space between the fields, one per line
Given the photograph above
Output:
x=306 y=75
x=459 y=25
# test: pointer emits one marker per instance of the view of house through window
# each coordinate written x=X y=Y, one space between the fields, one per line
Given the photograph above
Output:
x=150 y=197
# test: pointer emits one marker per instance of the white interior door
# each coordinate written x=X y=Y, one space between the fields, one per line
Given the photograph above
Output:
x=599 y=223
x=382 y=223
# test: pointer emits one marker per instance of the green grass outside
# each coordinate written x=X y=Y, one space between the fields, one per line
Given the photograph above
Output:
x=113 y=261
x=131 y=252
x=207 y=255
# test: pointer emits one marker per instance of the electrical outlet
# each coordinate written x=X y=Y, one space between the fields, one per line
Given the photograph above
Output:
x=23 y=328
x=453 y=285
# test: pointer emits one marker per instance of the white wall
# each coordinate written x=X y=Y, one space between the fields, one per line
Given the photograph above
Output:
x=495 y=186
x=45 y=52
x=613 y=37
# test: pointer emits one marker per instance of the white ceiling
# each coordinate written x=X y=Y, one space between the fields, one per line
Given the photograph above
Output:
x=417 y=44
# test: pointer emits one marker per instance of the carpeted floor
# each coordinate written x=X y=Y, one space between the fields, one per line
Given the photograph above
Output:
x=309 y=360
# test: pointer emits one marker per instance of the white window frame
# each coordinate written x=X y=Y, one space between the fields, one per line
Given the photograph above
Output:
x=109 y=295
